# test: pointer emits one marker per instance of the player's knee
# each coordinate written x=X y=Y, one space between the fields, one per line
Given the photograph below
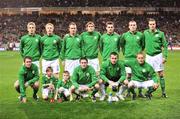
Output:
x=97 y=86
x=16 y=84
x=100 y=81
x=161 y=74
x=45 y=97
x=60 y=90
x=130 y=85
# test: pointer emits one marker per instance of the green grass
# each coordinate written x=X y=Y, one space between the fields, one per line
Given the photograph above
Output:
x=11 y=108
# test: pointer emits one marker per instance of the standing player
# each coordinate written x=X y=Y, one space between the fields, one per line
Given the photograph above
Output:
x=109 y=42
x=143 y=76
x=132 y=42
x=30 y=44
x=156 y=51
x=90 y=45
x=71 y=49
x=49 y=83
x=28 y=76
x=51 y=46
x=63 y=88
x=84 y=78
x=112 y=74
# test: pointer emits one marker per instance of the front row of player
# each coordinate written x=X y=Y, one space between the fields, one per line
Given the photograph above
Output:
x=84 y=80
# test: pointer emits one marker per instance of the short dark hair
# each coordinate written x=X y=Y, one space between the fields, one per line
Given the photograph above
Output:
x=114 y=53
x=109 y=23
x=83 y=58
x=151 y=19
x=49 y=69
x=27 y=57
x=66 y=72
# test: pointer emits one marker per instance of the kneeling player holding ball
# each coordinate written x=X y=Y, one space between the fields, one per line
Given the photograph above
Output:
x=84 y=79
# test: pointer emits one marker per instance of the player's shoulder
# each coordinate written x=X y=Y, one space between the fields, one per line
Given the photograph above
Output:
x=37 y=35
x=24 y=36
x=56 y=36
x=146 y=31
x=66 y=36
x=106 y=63
x=121 y=62
x=34 y=66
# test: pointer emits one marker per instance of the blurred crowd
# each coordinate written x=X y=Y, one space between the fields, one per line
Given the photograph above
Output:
x=13 y=27
x=89 y=3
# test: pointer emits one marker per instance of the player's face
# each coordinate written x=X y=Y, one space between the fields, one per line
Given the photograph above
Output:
x=66 y=76
x=140 y=58
x=113 y=59
x=49 y=73
x=132 y=26
x=72 y=29
x=152 y=25
x=90 y=28
x=49 y=29
x=28 y=63
x=83 y=64
x=110 y=28
x=31 y=29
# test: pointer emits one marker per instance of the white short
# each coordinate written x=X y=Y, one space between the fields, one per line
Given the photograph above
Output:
x=156 y=62
x=64 y=90
x=70 y=65
x=94 y=63
x=128 y=70
x=36 y=63
x=45 y=92
x=144 y=84
x=54 y=64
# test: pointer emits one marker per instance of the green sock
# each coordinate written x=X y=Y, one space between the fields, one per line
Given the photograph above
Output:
x=162 y=83
x=35 y=90
x=132 y=90
x=150 y=90
x=140 y=90
x=94 y=92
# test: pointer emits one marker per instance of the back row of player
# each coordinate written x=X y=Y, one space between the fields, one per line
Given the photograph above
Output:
x=75 y=46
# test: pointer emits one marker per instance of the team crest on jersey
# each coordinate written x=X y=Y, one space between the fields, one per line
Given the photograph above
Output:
x=143 y=70
x=37 y=40
x=115 y=39
x=117 y=68
x=137 y=37
x=54 y=41
x=95 y=37
x=87 y=74
x=33 y=72
x=78 y=39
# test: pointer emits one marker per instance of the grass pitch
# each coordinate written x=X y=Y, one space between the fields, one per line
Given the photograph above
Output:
x=159 y=108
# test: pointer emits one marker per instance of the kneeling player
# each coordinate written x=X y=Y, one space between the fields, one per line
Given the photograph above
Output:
x=84 y=79
x=28 y=76
x=112 y=74
x=63 y=88
x=48 y=83
x=143 y=76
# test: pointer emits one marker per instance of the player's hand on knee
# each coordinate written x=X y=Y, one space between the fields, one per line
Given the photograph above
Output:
x=126 y=82
x=26 y=84
x=24 y=100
